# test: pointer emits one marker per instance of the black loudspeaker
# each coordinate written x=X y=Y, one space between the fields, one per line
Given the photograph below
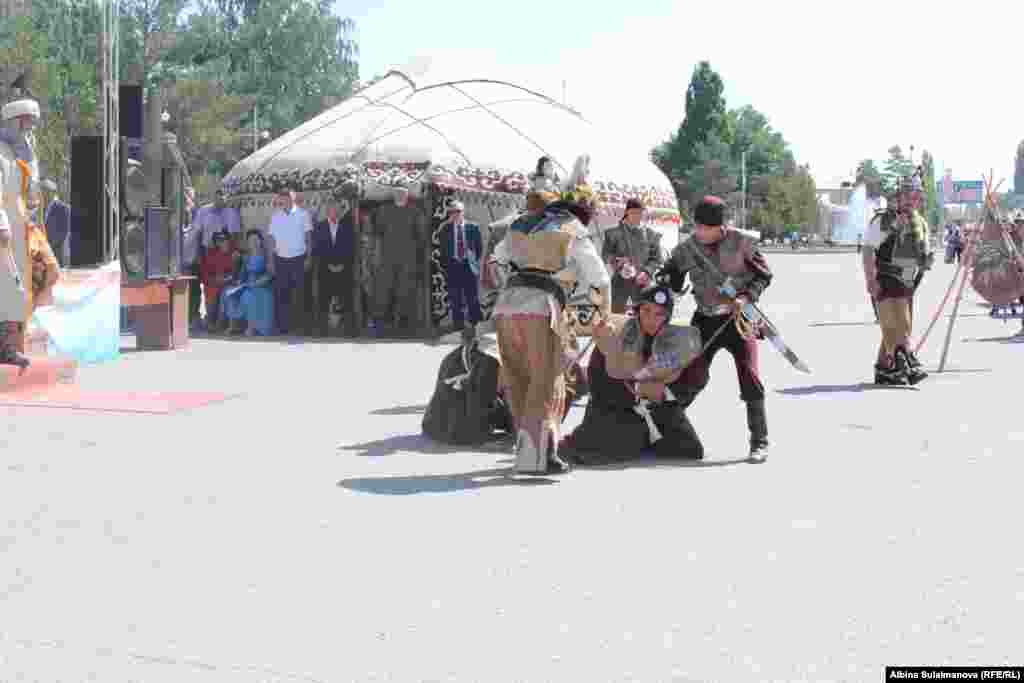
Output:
x=129 y=111
x=87 y=201
x=163 y=244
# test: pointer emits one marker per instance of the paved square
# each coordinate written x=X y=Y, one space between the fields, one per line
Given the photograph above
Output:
x=304 y=531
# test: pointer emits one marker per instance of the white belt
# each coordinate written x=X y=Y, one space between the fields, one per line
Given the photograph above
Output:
x=642 y=408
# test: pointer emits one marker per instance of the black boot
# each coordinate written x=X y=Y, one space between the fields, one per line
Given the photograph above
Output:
x=758 y=424
x=890 y=376
x=912 y=366
x=556 y=465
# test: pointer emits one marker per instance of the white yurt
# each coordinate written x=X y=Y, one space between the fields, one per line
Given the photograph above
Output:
x=445 y=132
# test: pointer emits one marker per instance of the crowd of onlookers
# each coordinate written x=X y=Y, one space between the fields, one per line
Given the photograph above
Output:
x=297 y=274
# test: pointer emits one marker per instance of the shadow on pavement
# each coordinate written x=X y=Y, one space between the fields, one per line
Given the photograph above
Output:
x=442 y=483
x=400 y=410
x=646 y=462
x=840 y=388
x=418 y=443
x=961 y=371
x=866 y=324
x=1012 y=339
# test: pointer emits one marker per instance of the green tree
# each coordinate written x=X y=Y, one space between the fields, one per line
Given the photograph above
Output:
x=286 y=54
x=747 y=130
x=895 y=167
x=207 y=122
x=25 y=48
x=933 y=210
x=705 y=109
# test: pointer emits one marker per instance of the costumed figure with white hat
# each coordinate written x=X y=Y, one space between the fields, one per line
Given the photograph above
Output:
x=727 y=273
x=897 y=253
x=633 y=255
x=637 y=396
x=550 y=253
x=18 y=187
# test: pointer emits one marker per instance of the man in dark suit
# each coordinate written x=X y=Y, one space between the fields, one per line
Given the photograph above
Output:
x=334 y=254
x=461 y=251
x=57 y=219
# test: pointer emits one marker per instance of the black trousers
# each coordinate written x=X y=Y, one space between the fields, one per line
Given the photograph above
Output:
x=613 y=431
x=289 y=292
x=195 y=293
x=330 y=285
x=744 y=354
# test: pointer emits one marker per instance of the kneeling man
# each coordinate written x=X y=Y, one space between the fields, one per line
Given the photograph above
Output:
x=635 y=377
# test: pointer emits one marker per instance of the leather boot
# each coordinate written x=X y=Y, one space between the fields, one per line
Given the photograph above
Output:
x=758 y=424
x=911 y=365
x=890 y=376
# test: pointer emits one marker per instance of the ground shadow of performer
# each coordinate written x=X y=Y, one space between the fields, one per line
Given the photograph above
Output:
x=441 y=483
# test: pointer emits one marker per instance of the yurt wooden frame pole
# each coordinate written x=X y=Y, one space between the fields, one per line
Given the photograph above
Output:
x=991 y=207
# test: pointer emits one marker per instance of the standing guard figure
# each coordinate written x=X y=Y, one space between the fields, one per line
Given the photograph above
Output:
x=897 y=253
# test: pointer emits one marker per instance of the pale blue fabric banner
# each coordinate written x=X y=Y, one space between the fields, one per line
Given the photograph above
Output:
x=83 y=322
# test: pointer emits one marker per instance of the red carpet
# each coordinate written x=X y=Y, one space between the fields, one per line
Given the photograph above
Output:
x=72 y=397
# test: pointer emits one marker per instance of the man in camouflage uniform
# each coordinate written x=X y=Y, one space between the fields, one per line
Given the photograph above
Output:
x=633 y=255
x=402 y=229
x=717 y=255
x=897 y=252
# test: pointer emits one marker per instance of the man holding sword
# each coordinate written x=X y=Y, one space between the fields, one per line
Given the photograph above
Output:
x=728 y=274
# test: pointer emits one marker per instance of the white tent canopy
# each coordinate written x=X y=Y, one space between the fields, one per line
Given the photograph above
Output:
x=424 y=123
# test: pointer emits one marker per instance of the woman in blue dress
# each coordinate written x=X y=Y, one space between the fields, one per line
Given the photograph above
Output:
x=249 y=304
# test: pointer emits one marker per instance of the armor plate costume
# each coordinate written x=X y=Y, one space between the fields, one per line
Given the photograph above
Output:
x=896 y=256
x=636 y=383
x=549 y=253
x=726 y=254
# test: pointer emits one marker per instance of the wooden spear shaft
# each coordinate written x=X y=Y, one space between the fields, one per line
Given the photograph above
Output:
x=956 y=309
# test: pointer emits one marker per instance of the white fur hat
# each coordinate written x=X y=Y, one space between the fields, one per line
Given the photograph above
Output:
x=24 y=107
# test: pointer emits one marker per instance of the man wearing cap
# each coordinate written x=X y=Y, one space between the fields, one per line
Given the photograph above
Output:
x=713 y=256
x=402 y=230
x=636 y=376
x=633 y=255
x=461 y=249
x=216 y=217
x=18 y=178
x=897 y=251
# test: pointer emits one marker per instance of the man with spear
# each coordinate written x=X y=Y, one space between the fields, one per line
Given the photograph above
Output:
x=897 y=253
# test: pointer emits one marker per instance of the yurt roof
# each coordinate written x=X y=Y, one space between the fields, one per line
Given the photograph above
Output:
x=423 y=124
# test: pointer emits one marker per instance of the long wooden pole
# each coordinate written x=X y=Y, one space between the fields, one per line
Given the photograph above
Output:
x=945 y=300
x=956 y=308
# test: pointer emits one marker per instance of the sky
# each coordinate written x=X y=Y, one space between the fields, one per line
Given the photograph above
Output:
x=841 y=86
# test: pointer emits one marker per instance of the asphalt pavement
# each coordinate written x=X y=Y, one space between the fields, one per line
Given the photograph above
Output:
x=303 y=530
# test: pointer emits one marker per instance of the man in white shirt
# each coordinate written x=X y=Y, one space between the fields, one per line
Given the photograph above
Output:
x=309 y=288
x=291 y=234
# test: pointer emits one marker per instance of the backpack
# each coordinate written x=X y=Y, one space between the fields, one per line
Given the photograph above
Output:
x=466 y=408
